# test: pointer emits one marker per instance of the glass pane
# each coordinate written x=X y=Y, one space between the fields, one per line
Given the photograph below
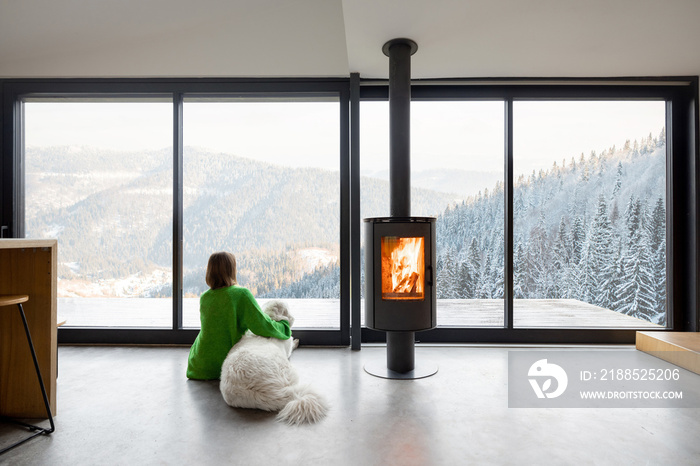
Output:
x=262 y=181
x=589 y=214
x=457 y=176
x=99 y=178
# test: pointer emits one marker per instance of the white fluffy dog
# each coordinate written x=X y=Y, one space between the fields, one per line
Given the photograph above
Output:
x=257 y=374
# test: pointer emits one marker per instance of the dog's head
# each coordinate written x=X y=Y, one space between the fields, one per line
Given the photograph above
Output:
x=278 y=310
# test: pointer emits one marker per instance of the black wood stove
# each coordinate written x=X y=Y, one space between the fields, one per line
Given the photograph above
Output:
x=400 y=281
x=400 y=296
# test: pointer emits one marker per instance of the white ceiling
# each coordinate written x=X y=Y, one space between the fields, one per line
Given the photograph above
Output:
x=322 y=38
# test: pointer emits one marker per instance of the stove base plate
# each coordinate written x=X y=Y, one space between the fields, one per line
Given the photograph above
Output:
x=378 y=368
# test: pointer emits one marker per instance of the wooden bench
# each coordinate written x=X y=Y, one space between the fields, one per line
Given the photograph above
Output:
x=679 y=348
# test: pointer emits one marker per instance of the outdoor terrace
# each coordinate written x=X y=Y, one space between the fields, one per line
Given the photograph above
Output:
x=324 y=313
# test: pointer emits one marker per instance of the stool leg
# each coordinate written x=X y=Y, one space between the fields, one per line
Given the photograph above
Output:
x=36 y=429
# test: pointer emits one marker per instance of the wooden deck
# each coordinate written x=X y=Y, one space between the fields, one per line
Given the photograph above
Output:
x=325 y=313
x=533 y=313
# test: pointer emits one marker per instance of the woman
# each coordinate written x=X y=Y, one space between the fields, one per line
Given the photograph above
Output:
x=226 y=311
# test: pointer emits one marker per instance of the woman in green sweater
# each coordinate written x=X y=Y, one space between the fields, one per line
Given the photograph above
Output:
x=226 y=311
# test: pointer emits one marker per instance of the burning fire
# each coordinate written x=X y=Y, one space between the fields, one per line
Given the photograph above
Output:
x=403 y=267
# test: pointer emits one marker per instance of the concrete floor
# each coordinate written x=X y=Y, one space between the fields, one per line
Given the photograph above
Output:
x=126 y=405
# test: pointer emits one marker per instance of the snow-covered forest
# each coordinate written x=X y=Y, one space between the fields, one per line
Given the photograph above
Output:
x=592 y=229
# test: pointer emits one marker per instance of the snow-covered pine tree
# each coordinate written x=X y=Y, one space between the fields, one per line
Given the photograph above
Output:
x=656 y=228
x=497 y=267
x=473 y=266
x=601 y=253
x=485 y=285
x=578 y=237
x=447 y=277
x=465 y=286
x=635 y=295
x=633 y=218
x=618 y=179
x=560 y=262
x=585 y=282
x=520 y=276
x=662 y=138
x=618 y=275
x=614 y=213
x=656 y=225
x=540 y=282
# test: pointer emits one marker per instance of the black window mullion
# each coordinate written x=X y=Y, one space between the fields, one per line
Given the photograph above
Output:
x=508 y=216
x=345 y=219
x=177 y=210
x=672 y=321
x=355 y=220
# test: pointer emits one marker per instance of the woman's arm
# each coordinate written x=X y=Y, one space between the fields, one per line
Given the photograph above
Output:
x=255 y=320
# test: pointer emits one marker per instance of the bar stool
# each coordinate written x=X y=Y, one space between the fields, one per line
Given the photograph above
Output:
x=9 y=300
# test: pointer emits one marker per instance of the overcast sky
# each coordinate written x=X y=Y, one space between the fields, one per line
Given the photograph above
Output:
x=453 y=135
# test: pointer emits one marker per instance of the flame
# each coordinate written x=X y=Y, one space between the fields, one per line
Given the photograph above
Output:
x=403 y=267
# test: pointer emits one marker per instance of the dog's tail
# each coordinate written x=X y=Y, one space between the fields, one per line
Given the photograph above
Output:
x=305 y=406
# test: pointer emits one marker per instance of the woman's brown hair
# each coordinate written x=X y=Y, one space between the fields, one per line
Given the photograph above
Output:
x=221 y=270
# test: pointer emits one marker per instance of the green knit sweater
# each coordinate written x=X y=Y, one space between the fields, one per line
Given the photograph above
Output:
x=225 y=314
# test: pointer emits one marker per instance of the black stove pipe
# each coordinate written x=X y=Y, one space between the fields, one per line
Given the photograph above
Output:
x=400 y=346
x=399 y=52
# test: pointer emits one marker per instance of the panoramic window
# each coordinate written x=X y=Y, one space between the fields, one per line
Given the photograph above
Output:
x=262 y=181
x=457 y=176
x=261 y=177
x=589 y=214
x=98 y=177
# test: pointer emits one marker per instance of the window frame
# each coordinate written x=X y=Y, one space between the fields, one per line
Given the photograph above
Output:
x=680 y=93
x=681 y=97
x=12 y=191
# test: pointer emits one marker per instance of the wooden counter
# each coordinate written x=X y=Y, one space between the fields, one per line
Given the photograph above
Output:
x=28 y=267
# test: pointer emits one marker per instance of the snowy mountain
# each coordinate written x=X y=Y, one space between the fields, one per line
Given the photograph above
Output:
x=463 y=183
x=112 y=214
